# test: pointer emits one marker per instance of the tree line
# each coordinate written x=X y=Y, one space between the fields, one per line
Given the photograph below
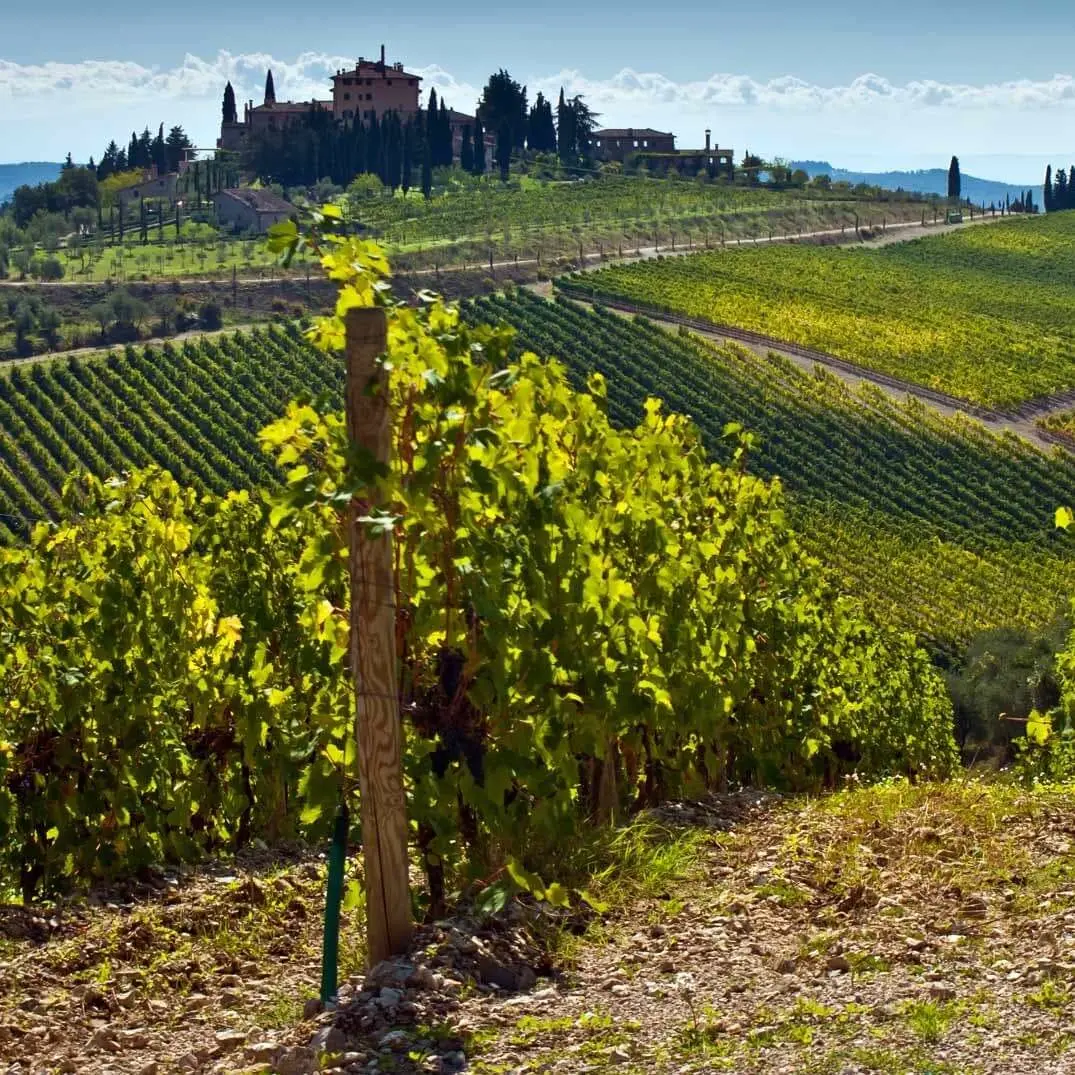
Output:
x=165 y=153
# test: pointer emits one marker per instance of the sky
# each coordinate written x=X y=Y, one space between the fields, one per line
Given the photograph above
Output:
x=902 y=87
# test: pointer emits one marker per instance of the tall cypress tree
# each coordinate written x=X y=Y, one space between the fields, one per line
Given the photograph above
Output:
x=229 y=110
x=160 y=152
x=1060 y=189
x=433 y=128
x=270 y=89
x=479 y=148
x=1047 y=189
x=466 y=151
x=565 y=130
x=408 y=156
x=503 y=151
x=444 y=136
x=955 y=182
x=427 y=170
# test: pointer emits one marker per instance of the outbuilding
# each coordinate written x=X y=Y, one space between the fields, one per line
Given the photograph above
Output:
x=250 y=209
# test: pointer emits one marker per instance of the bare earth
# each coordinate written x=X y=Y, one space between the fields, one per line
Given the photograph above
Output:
x=889 y=930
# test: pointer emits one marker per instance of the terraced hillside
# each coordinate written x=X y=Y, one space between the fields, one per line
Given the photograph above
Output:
x=985 y=314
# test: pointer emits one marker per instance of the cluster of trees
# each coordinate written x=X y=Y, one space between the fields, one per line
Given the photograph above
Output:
x=76 y=187
x=146 y=151
x=29 y=316
x=1059 y=189
x=1023 y=203
x=318 y=147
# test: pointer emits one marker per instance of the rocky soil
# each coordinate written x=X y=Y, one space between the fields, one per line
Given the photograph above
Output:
x=890 y=930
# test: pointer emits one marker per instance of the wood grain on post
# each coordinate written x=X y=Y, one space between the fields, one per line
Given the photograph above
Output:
x=373 y=656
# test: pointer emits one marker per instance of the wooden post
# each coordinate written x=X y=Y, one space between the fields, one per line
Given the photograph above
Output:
x=373 y=657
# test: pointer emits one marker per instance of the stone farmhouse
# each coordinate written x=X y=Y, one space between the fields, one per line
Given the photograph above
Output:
x=250 y=210
x=619 y=143
x=656 y=150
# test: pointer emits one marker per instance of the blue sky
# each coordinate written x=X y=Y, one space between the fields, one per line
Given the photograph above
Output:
x=901 y=87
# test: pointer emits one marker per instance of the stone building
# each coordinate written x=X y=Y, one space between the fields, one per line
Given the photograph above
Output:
x=162 y=187
x=373 y=88
x=619 y=143
x=249 y=210
x=714 y=160
x=370 y=89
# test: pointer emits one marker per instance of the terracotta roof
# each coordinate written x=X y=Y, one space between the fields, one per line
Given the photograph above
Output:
x=292 y=106
x=261 y=201
x=632 y=132
x=371 y=68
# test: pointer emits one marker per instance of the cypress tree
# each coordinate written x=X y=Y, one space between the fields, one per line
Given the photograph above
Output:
x=1047 y=189
x=479 y=148
x=270 y=89
x=432 y=128
x=565 y=130
x=408 y=156
x=231 y=114
x=1060 y=189
x=444 y=133
x=503 y=151
x=427 y=171
x=466 y=151
x=955 y=182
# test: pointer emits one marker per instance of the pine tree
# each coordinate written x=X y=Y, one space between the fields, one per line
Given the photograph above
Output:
x=466 y=151
x=955 y=183
x=231 y=114
x=68 y=164
x=270 y=89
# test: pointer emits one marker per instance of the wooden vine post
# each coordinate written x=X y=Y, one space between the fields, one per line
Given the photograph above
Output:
x=373 y=656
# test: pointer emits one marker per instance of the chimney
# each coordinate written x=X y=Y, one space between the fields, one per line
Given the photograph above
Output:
x=708 y=133
x=382 y=56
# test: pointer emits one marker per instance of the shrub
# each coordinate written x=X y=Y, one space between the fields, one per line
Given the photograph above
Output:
x=210 y=316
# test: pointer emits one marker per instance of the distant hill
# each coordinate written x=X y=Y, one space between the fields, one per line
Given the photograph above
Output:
x=923 y=181
x=32 y=172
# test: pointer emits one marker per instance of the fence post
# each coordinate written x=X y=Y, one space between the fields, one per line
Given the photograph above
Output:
x=373 y=656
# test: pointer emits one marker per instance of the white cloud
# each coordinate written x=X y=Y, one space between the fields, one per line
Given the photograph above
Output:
x=50 y=107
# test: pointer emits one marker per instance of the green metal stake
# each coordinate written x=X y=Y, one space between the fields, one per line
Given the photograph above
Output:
x=333 y=895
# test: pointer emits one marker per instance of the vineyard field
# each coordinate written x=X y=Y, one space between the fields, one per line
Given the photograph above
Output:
x=986 y=314
x=949 y=527
x=195 y=409
x=626 y=203
x=946 y=526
